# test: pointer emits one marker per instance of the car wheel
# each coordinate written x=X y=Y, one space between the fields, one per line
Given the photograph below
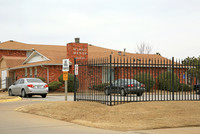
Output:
x=139 y=94
x=106 y=92
x=44 y=95
x=30 y=95
x=23 y=93
x=10 y=93
x=123 y=92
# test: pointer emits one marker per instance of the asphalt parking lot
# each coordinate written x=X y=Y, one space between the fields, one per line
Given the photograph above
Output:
x=13 y=122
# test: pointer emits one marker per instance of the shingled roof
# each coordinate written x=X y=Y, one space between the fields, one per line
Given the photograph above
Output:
x=98 y=52
x=12 y=61
x=57 y=52
x=54 y=52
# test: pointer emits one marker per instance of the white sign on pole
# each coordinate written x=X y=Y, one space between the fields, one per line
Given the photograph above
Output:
x=76 y=69
x=65 y=65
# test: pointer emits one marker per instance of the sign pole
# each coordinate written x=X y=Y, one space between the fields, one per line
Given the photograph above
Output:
x=65 y=70
x=66 y=90
x=65 y=78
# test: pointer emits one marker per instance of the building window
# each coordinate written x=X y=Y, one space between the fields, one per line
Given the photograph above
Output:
x=106 y=74
x=35 y=72
x=30 y=71
x=14 y=76
x=25 y=72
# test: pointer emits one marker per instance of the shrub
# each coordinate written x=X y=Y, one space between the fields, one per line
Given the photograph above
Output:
x=100 y=87
x=60 y=79
x=70 y=82
x=165 y=81
x=183 y=87
x=41 y=78
x=54 y=85
x=146 y=79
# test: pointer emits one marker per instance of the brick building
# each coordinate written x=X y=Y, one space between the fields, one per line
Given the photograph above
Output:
x=18 y=60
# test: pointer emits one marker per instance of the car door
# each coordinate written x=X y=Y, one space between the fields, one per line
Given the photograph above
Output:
x=20 y=86
x=117 y=85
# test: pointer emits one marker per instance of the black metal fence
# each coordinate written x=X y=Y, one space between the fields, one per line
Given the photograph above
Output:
x=115 y=80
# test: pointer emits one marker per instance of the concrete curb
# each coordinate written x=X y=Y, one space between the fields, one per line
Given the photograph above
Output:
x=10 y=100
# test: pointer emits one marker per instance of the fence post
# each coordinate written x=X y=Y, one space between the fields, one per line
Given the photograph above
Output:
x=74 y=80
x=172 y=78
x=110 y=79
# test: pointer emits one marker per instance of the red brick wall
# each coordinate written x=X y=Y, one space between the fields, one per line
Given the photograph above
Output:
x=20 y=73
x=54 y=72
x=12 y=53
x=89 y=76
x=76 y=50
x=131 y=72
x=95 y=75
x=42 y=72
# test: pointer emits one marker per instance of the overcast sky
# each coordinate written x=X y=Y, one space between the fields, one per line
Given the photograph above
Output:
x=170 y=27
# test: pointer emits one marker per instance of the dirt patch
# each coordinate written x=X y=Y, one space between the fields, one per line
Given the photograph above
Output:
x=3 y=93
x=125 y=117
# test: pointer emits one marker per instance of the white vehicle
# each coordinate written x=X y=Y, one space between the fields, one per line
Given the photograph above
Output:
x=27 y=87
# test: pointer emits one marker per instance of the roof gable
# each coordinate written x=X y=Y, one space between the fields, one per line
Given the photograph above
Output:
x=35 y=57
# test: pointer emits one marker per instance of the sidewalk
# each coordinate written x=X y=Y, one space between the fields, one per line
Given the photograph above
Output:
x=60 y=93
x=184 y=130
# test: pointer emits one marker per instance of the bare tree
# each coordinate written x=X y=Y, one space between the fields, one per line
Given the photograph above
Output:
x=157 y=53
x=143 y=48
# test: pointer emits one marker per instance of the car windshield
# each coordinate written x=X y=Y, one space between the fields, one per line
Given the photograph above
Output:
x=34 y=81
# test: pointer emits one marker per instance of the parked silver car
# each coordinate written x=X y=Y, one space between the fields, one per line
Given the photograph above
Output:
x=27 y=87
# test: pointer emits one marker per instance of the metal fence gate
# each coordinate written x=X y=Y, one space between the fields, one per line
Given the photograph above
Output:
x=115 y=80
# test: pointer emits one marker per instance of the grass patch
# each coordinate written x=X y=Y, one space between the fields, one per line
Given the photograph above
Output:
x=125 y=117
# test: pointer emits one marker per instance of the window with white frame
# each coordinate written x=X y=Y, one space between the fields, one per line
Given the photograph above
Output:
x=25 y=72
x=35 y=72
x=106 y=74
x=30 y=72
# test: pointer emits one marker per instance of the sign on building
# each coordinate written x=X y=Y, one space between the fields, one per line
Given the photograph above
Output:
x=76 y=69
x=65 y=65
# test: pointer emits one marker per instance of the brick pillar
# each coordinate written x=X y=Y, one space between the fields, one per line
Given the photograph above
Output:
x=76 y=50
